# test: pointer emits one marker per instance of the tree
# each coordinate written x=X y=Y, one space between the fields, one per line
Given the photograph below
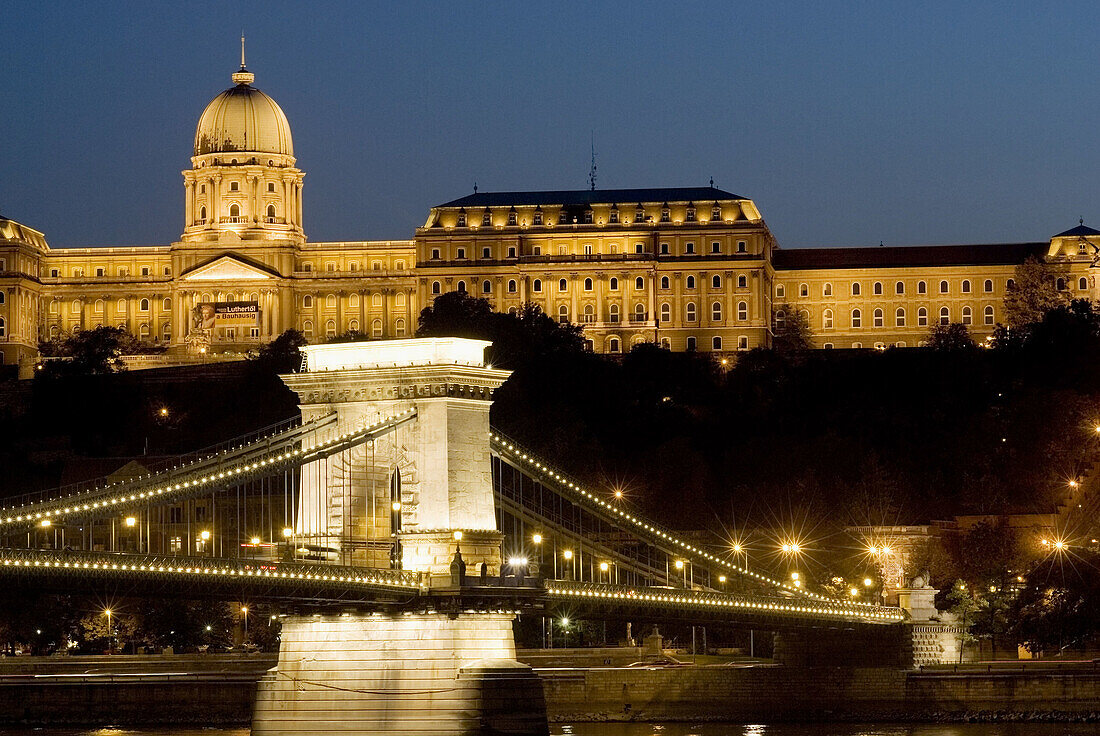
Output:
x=962 y=605
x=349 y=336
x=1057 y=606
x=92 y=352
x=1033 y=292
x=792 y=333
x=283 y=354
x=456 y=314
x=950 y=338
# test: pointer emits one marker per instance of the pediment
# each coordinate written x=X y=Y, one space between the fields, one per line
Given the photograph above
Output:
x=227 y=268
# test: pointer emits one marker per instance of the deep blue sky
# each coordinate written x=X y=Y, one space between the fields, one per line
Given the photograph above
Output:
x=848 y=123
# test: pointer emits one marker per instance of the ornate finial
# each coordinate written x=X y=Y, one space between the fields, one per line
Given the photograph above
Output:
x=475 y=187
x=712 y=182
x=243 y=76
x=1080 y=221
x=592 y=171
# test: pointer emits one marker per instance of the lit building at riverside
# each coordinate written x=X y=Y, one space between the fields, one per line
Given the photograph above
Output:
x=687 y=268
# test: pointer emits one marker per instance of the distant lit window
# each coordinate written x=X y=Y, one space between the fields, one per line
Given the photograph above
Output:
x=989 y=315
x=857 y=318
x=742 y=311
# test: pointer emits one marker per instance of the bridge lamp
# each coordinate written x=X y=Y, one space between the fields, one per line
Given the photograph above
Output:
x=131 y=521
x=287 y=531
x=867 y=582
x=721 y=578
x=853 y=592
x=618 y=493
x=517 y=561
x=564 y=621
x=679 y=564
x=458 y=535
x=255 y=541
x=604 y=567
x=1059 y=545
x=886 y=551
x=795 y=576
x=45 y=523
x=204 y=535
x=396 y=506
x=209 y=627
x=567 y=554
x=536 y=538
x=163 y=411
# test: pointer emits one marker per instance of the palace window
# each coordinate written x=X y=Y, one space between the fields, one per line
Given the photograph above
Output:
x=716 y=213
x=716 y=343
x=689 y=312
x=330 y=301
x=715 y=247
x=512 y=217
x=613 y=345
x=486 y=287
x=922 y=288
x=307 y=329
x=54 y=273
x=143 y=331
x=1060 y=284
x=98 y=306
x=666 y=343
x=690 y=283
x=234 y=186
x=691 y=342
x=780 y=291
x=536 y=286
x=202 y=189
x=1082 y=283
x=780 y=320
x=436 y=287
x=588 y=249
x=877 y=289
x=945 y=316
x=563 y=285
x=989 y=286
x=742 y=311
x=166 y=332
x=664 y=282
x=536 y=250
x=857 y=318
x=613 y=215
x=435 y=254
x=588 y=217
x=537 y=217
x=966 y=286
x=943 y=287
x=376 y=328
x=486 y=218
x=614 y=284
x=827 y=290
x=639 y=283
x=271 y=186
x=855 y=288
x=1010 y=284
x=967 y=316
x=167 y=271
x=588 y=284
x=166 y=305
x=899 y=287
x=234 y=210
x=878 y=318
x=563 y=314
x=666 y=313
x=742 y=343
x=899 y=317
x=461 y=219
x=400 y=327
x=563 y=218
x=664 y=249
x=922 y=317
x=827 y=319
x=461 y=287
x=742 y=246
x=689 y=216
x=716 y=282
x=461 y=253
x=99 y=272
x=143 y=305
x=639 y=313
x=353 y=300
x=613 y=313
x=742 y=281
x=512 y=252
x=716 y=312
x=664 y=214
x=511 y=286
x=121 y=306
x=689 y=248
x=803 y=290
x=485 y=253
x=989 y=314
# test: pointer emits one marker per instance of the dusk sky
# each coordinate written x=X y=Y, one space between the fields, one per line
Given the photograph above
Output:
x=847 y=123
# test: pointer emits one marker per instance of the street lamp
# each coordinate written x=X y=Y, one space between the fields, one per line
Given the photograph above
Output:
x=244 y=615
x=110 y=631
x=204 y=535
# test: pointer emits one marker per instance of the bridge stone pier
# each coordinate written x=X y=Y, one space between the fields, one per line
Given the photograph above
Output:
x=428 y=485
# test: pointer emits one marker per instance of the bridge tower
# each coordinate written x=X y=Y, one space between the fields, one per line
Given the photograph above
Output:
x=415 y=671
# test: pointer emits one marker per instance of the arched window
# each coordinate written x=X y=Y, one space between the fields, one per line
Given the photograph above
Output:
x=1010 y=284
x=989 y=314
x=639 y=283
x=664 y=282
x=899 y=317
x=742 y=281
x=613 y=313
x=1061 y=284
x=3 y=328
x=989 y=286
x=780 y=291
x=877 y=317
x=166 y=305
x=76 y=307
x=462 y=287
x=742 y=311
x=689 y=312
x=877 y=289
x=827 y=319
x=691 y=282
x=234 y=210
x=966 y=286
x=922 y=287
x=943 y=287
x=1082 y=283
x=716 y=343
x=803 y=290
x=143 y=331
x=511 y=286
x=143 y=305
x=857 y=318
x=945 y=316
x=563 y=285
x=827 y=290
x=54 y=306
x=330 y=328
x=780 y=320
x=666 y=343
x=98 y=306
x=376 y=298
x=855 y=288
x=563 y=314
x=307 y=302
x=716 y=311
x=613 y=345
x=307 y=329
x=589 y=313
x=967 y=316
x=716 y=282
x=353 y=300
x=666 y=313
x=691 y=342
x=639 y=312
x=400 y=326
x=899 y=287
x=271 y=212
x=922 y=317
x=202 y=213
x=121 y=306
x=353 y=326
x=166 y=332
x=437 y=287
x=330 y=301
x=588 y=284
x=536 y=286
x=614 y=285
x=376 y=328
x=486 y=287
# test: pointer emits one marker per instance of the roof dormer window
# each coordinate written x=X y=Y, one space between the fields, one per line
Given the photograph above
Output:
x=613 y=215
x=665 y=214
x=716 y=212
x=563 y=217
x=588 y=217
x=461 y=222
x=690 y=215
x=487 y=217
x=512 y=216
x=639 y=214
x=537 y=217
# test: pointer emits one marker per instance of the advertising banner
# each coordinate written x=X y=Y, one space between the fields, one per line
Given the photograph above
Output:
x=208 y=315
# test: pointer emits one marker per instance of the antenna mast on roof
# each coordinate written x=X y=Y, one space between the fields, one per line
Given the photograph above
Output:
x=592 y=171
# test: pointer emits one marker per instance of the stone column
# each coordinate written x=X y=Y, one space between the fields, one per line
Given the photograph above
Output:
x=188 y=204
x=386 y=332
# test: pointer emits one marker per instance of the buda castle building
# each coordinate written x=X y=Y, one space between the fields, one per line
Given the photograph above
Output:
x=687 y=268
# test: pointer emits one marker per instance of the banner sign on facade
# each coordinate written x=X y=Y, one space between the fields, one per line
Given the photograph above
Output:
x=208 y=315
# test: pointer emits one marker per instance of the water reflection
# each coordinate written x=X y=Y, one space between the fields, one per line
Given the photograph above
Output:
x=675 y=729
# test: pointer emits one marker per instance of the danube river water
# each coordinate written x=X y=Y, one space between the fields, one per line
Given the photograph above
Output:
x=678 y=729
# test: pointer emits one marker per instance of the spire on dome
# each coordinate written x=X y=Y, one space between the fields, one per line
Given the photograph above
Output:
x=243 y=76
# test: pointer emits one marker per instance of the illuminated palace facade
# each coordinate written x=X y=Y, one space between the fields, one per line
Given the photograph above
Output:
x=687 y=268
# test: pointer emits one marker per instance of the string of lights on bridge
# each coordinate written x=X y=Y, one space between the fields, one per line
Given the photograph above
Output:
x=46 y=517
x=645 y=526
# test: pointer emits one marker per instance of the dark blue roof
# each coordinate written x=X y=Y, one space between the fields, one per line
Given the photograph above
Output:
x=1081 y=229
x=912 y=255
x=700 y=195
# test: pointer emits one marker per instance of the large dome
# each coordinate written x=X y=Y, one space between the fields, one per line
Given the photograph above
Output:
x=243 y=119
